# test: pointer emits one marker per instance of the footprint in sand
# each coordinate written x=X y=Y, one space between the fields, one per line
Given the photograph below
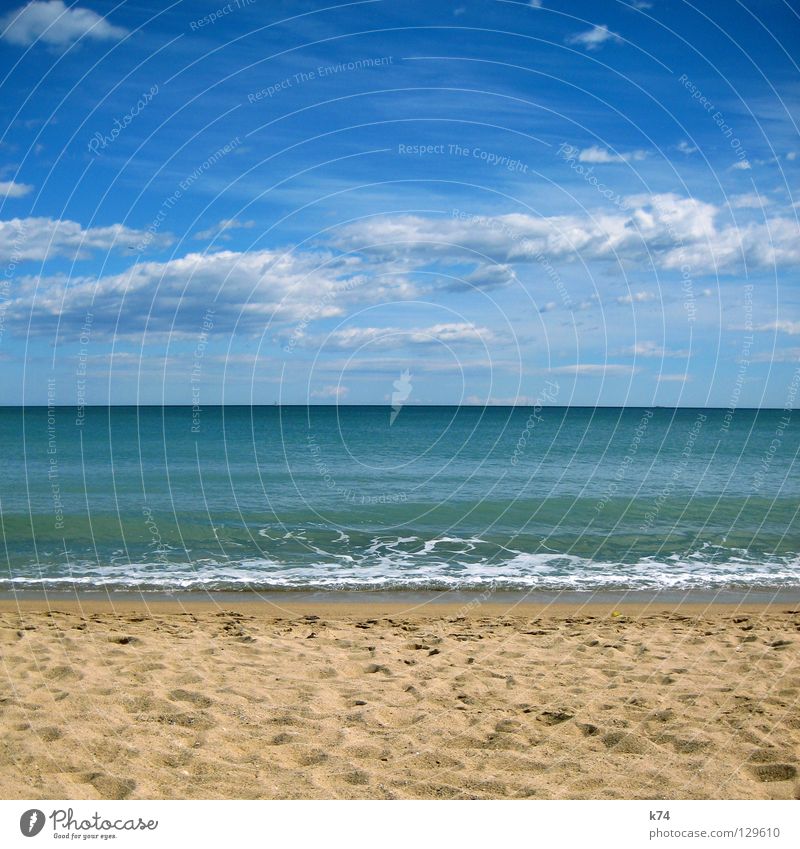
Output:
x=624 y=743
x=197 y=699
x=49 y=734
x=774 y=772
x=282 y=738
x=111 y=787
x=310 y=757
x=63 y=673
x=554 y=717
x=357 y=777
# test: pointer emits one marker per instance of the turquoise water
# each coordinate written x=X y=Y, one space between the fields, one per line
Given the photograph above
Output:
x=326 y=497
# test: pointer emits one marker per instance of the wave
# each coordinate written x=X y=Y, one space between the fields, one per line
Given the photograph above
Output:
x=385 y=569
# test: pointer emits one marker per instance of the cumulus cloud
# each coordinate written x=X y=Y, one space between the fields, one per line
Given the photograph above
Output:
x=687 y=148
x=487 y=276
x=594 y=38
x=750 y=200
x=370 y=261
x=51 y=22
x=651 y=349
x=44 y=238
x=595 y=369
x=14 y=190
x=674 y=378
x=245 y=290
x=351 y=338
x=601 y=155
x=220 y=231
x=667 y=230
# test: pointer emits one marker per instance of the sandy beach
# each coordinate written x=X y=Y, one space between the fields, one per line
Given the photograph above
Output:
x=376 y=700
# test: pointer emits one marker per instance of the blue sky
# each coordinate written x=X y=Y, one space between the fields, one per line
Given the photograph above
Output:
x=298 y=202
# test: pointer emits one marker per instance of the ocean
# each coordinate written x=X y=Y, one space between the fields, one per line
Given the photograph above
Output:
x=367 y=498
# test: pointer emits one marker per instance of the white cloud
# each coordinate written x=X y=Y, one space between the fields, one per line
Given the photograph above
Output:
x=535 y=4
x=741 y=165
x=652 y=349
x=496 y=401
x=601 y=155
x=667 y=230
x=351 y=338
x=751 y=200
x=55 y=24
x=781 y=355
x=595 y=369
x=595 y=37
x=219 y=231
x=14 y=190
x=637 y=298
x=44 y=238
x=246 y=290
x=791 y=155
x=685 y=147
x=487 y=277
x=336 y=392
x=674 y=378
x=370 y=365
x=252 y=290
x=782 y=326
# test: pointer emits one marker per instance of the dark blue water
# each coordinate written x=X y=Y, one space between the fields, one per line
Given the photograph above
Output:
x=296 y=497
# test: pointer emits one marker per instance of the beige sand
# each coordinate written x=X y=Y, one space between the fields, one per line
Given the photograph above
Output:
x=374 y=701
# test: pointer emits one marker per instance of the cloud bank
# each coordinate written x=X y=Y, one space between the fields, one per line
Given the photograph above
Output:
x=53 y=23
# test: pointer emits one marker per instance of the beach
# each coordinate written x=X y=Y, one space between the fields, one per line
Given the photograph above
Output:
x=206 y=698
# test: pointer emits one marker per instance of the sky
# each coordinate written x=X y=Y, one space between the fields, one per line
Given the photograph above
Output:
x=470 y=202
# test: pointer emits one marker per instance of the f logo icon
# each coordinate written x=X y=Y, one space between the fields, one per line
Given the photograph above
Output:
x=31 y=822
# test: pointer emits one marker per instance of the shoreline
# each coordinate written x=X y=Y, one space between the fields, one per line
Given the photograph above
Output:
x=438 y=604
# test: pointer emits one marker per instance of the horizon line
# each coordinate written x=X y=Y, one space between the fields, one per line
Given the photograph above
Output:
x=389 y=406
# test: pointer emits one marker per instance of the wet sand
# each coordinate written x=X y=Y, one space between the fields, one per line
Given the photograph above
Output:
x=377 y=699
